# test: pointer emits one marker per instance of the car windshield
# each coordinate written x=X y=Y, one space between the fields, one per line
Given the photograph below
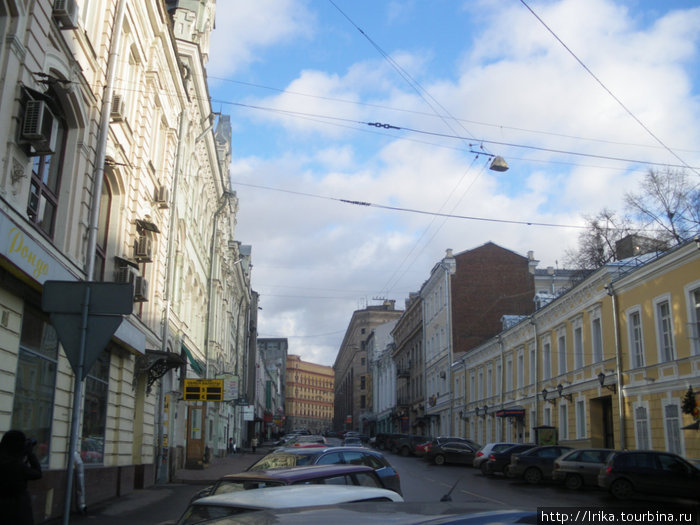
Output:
x=227 y=486
x=282 y=460
x=203 y=513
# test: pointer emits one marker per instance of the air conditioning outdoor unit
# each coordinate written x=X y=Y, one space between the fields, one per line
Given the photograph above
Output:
x=126 y=274
x=118 y=108
x=66 y=13
x=140 y=289
x=39 y=127
x=162 y=196
x=142 y=248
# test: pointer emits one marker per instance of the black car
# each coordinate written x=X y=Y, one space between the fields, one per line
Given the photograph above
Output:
x=406 y=446
x=649 y=472
x=451 y=452
x=535 y=464
x=296 y=457
x=499 y=461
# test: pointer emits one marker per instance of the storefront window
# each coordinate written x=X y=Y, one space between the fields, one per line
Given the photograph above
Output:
x=35 y=384
x=95 y=411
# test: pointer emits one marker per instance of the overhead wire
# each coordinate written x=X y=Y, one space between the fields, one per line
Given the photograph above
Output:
x=608 y=91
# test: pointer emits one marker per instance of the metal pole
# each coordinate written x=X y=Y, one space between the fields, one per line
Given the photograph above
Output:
x=77 y=395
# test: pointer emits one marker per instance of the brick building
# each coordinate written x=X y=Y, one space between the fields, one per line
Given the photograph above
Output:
x=309 y=395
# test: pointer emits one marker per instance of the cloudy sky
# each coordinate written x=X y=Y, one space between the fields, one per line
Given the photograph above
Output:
x=581 y=97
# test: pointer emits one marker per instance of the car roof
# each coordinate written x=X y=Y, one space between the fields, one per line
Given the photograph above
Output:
x=380 y=513
x=289 y=496
x=296 y=473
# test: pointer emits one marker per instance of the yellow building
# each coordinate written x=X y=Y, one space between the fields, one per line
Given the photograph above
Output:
x=309 y=395
x=606 y=364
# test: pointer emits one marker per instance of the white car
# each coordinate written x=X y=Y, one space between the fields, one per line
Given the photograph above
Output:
x=285 y=497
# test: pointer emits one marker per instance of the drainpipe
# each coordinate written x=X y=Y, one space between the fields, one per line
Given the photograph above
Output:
x=92 y=243
x=450 y=352
x=618 y=367
x=503 y=384
x=537 y=375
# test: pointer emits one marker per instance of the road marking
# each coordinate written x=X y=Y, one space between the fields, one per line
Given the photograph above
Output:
x=484 y=497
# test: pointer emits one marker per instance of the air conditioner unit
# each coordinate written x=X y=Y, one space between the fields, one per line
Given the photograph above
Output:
x=140 y=289
x=39 y=127
x=118 y=108
x=126 y=274
x=162 y=196
x=66 y=13
x=142 y=248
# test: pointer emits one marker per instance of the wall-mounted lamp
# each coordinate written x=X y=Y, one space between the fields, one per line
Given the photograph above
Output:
x=476 y=411
x=486 y=409
x=569 y=397
x=544 y=396
x=601 y=380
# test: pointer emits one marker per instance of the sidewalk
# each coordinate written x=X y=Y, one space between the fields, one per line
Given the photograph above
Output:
x=220 y=467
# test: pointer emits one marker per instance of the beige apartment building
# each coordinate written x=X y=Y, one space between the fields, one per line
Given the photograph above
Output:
x=114 y=169
x=309 y=395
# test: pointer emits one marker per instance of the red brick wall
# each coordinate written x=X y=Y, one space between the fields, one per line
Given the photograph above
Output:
x=489 y=282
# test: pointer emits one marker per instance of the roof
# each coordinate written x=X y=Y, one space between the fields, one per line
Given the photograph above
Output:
x=292 y=475
x=290 y=496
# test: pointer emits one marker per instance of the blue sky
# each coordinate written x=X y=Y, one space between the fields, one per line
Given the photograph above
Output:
x=301 y=84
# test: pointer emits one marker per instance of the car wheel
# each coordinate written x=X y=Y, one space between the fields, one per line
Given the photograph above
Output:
x=439 y=459
x=405 y=452
x=573 y=482
x=484 y=469
x=621 y=489
x=533 y=476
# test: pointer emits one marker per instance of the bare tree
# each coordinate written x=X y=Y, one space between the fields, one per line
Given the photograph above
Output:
x=667 y=205
x=596 y=244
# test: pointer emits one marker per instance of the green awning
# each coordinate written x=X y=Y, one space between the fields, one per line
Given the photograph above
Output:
x=198 y=367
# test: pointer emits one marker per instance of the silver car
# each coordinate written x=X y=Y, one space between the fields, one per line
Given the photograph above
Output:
x=483 y=453
x=580 y=467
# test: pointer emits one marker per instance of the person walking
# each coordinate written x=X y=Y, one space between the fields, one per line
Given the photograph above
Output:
x=18 y=464
x=254 y=443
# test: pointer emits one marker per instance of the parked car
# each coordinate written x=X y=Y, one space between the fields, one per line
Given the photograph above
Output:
x=296 y=457
x=451 y=452
x=483 y=453
x=499 y=461
x=406 y=446
x=352 y=441
x=392 y=440
x=580 y=467
x=422 y=449
x=649 y=472
x=535 y=464
x=314 y=474
x=289 y=496
x=307 y=439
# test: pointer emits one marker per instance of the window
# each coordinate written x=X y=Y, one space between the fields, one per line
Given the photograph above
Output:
x=509 y=375
x=546 y=361
x=580 y=419
x=363 y=384
x=636 y=342
x=547 y=419
x=672 y=422
x=35 y=381
x=641 y=425
x=561 y=349
x=521 y=370
x=95 y=411
x=533 y=367
x=664 y=330
x=597 y=340
x=578 y=347
x=42 y=206
x=489 y=382
x=694 y=318
x=102 y=232
x=563 y=421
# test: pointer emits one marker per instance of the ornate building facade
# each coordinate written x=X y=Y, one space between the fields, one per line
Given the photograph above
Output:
x=309 y=395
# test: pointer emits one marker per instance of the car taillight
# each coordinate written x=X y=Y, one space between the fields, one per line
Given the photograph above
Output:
x=479 y=454
x=556 y=465
x=492 y=458
x=608 y=470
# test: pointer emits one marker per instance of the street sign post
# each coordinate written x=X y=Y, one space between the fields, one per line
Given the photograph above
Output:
x=85 y=315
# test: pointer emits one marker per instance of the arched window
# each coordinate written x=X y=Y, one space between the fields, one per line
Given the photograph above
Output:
x=103 y=231
x=42 y=205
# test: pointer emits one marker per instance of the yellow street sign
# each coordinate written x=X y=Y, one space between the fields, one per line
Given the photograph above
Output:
x=204 y=390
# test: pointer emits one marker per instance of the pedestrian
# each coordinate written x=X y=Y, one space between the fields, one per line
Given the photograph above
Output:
x=254 y=443
x=230 y=446
x=18 y=464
